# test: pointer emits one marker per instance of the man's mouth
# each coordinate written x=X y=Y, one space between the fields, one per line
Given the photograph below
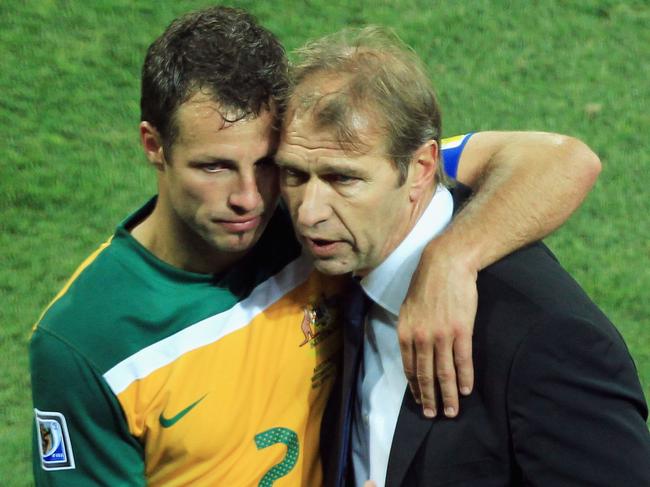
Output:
x=241 y=224
x=321 y=248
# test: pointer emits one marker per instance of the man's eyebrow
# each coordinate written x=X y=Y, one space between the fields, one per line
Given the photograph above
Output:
x=292 y=164
x=281 y=162
x=341 y=168
x=212 y=160
x=324 y=167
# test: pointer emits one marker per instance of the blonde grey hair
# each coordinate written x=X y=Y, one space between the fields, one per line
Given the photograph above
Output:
x=376 y=75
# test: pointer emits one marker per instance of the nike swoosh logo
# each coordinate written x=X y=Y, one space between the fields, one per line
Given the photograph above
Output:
x=168 y=422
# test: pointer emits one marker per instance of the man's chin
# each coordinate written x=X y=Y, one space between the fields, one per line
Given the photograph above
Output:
x=333 y=267
x=235 y=243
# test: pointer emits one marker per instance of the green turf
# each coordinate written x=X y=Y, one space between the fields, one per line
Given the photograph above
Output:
x=71 y=166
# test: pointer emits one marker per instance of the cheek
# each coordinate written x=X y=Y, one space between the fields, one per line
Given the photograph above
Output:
x=180 y=195
x=203 y=196
x=368 y=228
x=373 y=224
x=201 y=193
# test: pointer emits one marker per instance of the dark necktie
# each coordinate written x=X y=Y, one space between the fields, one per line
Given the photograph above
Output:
x=356 y=307
x=355 y=317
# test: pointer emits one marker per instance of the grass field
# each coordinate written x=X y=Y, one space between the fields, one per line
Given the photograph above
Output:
x=71 y=166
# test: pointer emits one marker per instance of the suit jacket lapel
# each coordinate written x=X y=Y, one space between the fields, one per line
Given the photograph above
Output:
x=412 y=427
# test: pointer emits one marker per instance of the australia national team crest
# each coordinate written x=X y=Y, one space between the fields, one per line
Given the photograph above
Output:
x=320 y=328
x=318 y=321
x=53 y=441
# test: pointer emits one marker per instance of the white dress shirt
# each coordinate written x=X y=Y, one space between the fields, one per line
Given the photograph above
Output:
x=381 y=382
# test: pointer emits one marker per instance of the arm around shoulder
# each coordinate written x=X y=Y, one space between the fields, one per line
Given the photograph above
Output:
x=532 y=153
x=80 y=436
x=576 y=409
x=525 y=184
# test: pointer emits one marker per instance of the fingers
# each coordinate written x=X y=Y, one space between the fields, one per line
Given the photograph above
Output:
x=424 y=360
x=446 y=374
x=445 y=358
x=408 y=361
x=435 y=332
x=464 y=363
x=369 y=483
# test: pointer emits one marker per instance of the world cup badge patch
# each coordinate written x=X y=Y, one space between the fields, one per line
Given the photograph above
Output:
x=53 y=441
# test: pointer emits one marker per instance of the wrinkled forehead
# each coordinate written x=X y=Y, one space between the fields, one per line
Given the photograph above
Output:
x=323 y=105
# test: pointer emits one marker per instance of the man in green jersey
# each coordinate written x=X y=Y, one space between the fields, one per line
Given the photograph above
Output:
x=197 y=346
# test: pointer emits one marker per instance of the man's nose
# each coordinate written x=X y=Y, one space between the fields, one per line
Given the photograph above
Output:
x=246 y=196
x=313 y=208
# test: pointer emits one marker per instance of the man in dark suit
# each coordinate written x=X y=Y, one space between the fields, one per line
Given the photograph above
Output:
x=557 y=400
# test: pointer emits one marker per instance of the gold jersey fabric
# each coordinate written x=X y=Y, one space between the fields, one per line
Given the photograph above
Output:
x=244 y=409
x=144 y=374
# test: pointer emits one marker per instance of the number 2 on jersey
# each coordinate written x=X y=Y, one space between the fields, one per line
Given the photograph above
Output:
x=272 y=437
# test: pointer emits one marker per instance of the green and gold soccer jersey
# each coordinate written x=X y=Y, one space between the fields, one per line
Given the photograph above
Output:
x=146 y=374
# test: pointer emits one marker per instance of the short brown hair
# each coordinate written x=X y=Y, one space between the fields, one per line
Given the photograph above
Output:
x=221 y=51
x=380 y=76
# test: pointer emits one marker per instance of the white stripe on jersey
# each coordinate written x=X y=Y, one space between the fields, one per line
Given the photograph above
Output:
x=209 y=330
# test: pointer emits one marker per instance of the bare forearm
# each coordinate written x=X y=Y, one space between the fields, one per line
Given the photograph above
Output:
x=530 y=185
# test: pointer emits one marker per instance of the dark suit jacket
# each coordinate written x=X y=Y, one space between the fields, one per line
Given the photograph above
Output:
x=557 y=400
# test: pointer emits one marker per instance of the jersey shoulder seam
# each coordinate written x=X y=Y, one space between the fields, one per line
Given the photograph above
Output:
x=78 y=271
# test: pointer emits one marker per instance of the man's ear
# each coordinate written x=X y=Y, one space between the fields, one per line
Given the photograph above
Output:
x=152 y=144
x=423 y=169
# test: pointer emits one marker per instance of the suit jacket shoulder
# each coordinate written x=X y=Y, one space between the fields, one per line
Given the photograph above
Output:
x=572 y=388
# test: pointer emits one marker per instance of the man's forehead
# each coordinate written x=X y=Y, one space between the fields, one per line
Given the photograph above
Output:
x=204 y=105
x=301 y=128
x=304 y=135
x=306 y=123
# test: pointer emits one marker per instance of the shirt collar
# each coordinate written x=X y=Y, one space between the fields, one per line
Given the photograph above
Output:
x=388 y=283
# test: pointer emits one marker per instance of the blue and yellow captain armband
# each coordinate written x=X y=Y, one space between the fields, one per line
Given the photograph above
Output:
x=452 y=148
